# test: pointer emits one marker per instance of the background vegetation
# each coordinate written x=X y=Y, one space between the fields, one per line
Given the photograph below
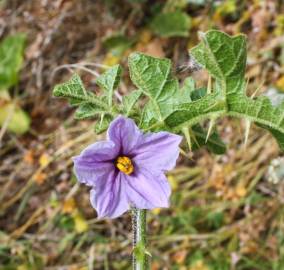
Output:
x=227 y=211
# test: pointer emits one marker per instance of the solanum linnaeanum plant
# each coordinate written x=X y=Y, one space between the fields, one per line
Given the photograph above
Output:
x=128 y=169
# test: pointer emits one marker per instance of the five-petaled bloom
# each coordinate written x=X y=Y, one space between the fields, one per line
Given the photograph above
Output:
x=128 y=169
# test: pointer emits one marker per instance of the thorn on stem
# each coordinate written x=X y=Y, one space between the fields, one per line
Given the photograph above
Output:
x=186 y=133
x=247 y=129
x=209 y=85
x=211 y=125
x=257 y=89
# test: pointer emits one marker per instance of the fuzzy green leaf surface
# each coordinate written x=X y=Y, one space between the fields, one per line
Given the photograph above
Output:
x=75 y=91
x=225 y=58
x=109 y=81
x=222 y=55
x=88 y=110
x=129 y=101
x=103 y=123
x=153 y=76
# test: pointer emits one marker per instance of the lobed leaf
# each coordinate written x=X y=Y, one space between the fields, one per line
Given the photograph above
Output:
x=76 y=92
x=103 y=124
x=88 y=110
x=195 y=112
x=109 y=81
x=223 y=56
x=152 y=76
x=129 y=101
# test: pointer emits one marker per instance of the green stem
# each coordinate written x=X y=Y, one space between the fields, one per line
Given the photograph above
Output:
x=140 y=260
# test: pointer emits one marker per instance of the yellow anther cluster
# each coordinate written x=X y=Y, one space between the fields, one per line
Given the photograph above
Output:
x=125 y=165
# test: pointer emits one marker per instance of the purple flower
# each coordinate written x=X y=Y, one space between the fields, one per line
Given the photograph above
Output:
x=128 y=169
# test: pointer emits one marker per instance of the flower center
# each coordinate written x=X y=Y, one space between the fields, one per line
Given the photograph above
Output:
x=124 y=164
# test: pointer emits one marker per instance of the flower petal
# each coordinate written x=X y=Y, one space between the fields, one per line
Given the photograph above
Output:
x=100 y=151
x=91 y=174
x=124 y=132
x=157 y=151
x=146 y=190
x=95 y=162
x=110 y=198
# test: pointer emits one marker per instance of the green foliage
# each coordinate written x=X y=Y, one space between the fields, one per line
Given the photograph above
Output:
x=224 y=57
x=130 y=100
x=118 y=43
x=109 y=81
x=143 y=67
x=171 y=24
x=215 y=219
x=89 y=104
x=11 y=55
x=103 y=123
x=75 y=91
x=153 y=77
x=214 y=143
x=181 y=109
x=88 y=110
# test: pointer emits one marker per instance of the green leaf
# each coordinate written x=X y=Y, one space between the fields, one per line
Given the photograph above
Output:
x=89 y=104
x=129 y=101
x=210 y=106
x=223 y=56
x=214 y=143
x=88 y=110
x=11 y=59
x=153 y=77
x=184 y=94
x=198 y=93
x=278 y=136
x=18 y=120
x=171 y=24
x=109 y=81
x=260 y=111
x=117 y=43
x=76 y=92
x=103 y=124
x=149 y=116
x=73 y=88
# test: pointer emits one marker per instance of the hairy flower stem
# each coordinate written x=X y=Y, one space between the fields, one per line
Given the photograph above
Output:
x=140 y=260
